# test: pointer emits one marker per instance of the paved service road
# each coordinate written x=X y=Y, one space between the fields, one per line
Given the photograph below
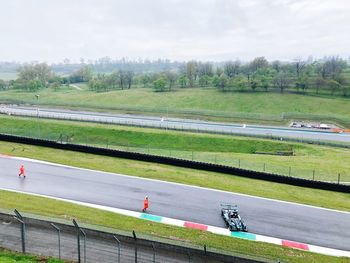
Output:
x=174 y=123
x=266 y=217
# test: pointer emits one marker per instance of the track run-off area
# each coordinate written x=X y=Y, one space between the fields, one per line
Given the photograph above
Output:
x=190 y=206
x=178 y=124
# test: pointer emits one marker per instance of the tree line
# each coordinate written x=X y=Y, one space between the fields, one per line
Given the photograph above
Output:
x=328 y=75
x=331 y=75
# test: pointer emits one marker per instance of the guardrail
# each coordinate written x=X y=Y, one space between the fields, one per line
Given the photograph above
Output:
x=338 y=187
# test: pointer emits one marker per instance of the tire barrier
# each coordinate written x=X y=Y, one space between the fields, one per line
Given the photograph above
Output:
x=338 y=187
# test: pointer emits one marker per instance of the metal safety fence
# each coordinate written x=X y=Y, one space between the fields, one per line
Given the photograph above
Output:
x=76 y=243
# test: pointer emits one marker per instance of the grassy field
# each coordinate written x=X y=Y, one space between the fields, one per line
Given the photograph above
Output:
x=206 y=103
x=327 y=199
x=7 y=256
x=327 y=162
x=53 y=208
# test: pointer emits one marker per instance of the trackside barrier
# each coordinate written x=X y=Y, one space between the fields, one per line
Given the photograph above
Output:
x=181 y=163
x=101 y=240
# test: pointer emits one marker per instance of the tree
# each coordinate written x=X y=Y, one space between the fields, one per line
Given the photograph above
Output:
x=3 y=84
x=113 y=80
x=183 y=80
x=299 y=66
x=240 y=82
x=258 y=63
x=222 y=82
x=276 y=65
x=265 y=82
x=145 y=79
x=39 y=72
x=191 y=72
x=254 y=82
x=262 y=78
x=231 y=69
x=319 y=83
x=205 y=69
x=204 y=81
x=129 y=78
x=334 y=66
x=160 y=83
x=171 y=78
x=34 y=85
x=84 y=74
x=281 y=81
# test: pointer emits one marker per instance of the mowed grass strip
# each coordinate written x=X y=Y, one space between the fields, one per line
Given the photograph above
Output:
x=64 y=210
x=309 y=161
x=327 y=199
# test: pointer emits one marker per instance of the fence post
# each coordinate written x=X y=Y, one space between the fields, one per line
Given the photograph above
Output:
x=59 y=239
x=82 y=231
x=313 y=175
x=239 y=163
x=118 y=242
x=290 y=170
x=338 y=178
x=205 y=253
x=78 y=239
x=264 y=167
x=154 y=253
x=19 y=218
x=135 y=238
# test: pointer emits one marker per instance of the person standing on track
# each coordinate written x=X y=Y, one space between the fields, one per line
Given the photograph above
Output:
x=145 y=204
x=22 y=171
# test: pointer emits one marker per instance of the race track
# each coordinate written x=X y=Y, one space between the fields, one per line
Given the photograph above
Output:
x=179 y=124
x=301 y=223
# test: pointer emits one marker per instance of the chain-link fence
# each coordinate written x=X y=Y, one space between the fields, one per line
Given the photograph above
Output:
x=75 y=243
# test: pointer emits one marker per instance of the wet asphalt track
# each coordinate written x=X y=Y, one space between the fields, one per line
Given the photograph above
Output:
x=272 y=218
x=180 y=124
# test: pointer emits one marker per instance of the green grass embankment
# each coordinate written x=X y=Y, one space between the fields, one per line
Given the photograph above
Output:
x=205 y=103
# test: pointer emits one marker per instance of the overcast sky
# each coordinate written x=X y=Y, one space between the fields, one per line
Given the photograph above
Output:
x=51 y=30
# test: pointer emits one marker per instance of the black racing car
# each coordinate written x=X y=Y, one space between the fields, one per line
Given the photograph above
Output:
x=232 y=218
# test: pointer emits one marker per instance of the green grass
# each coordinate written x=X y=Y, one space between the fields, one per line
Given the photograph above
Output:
x=208 y=103
x=63 y=210
x=7 y=256
x=327 y=199
x=327 y=162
